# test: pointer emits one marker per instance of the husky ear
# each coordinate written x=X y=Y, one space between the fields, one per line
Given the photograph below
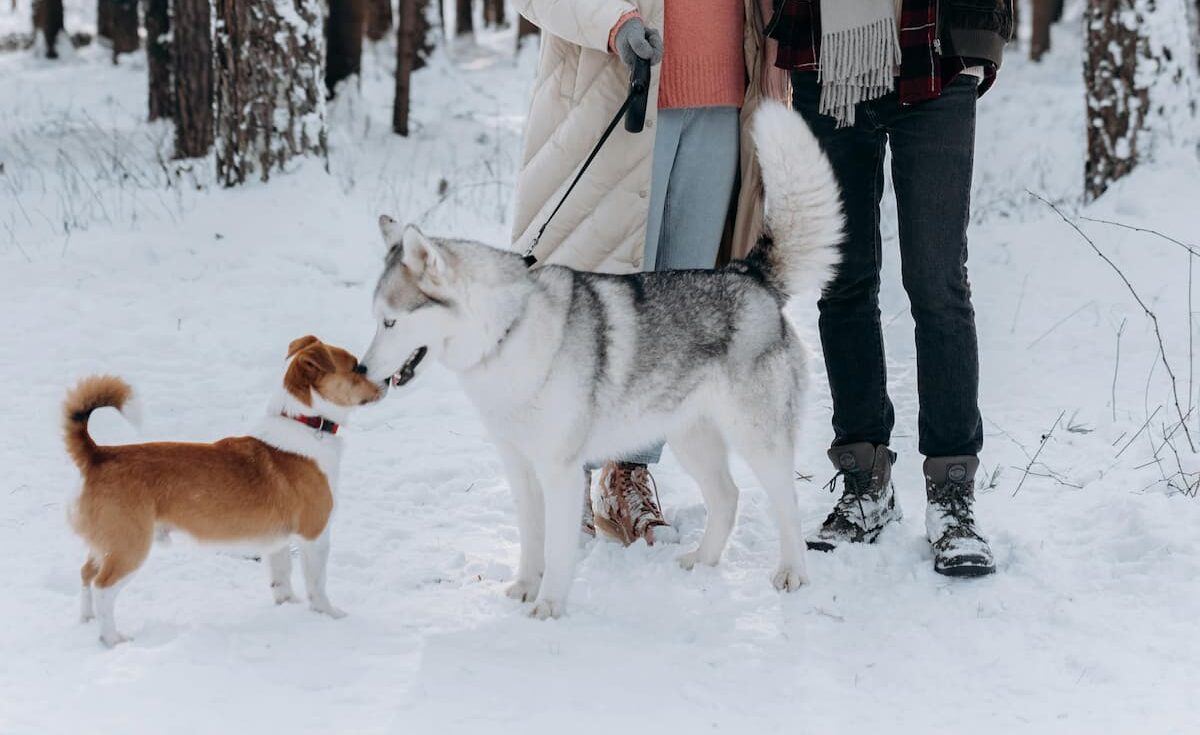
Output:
x=392 y=232
x=424 y=257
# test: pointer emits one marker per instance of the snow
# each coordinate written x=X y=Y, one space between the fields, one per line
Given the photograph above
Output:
x=192 y=292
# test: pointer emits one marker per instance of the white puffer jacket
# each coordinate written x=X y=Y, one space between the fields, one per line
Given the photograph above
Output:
x=579 y=87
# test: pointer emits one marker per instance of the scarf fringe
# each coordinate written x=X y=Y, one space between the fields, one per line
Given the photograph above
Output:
x=857 y=64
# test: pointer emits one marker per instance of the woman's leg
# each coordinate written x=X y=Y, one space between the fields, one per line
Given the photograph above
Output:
x=696 y=152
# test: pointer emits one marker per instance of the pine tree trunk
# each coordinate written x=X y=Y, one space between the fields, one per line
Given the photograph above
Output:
x=407 y=44
x=424 y=34
x=525 y=28
x=123 y=28
x=270 y=103
x=158 y=58
x=343 y=37
x=379 y=19
x=192 y=54
x=463 y=23
x=48 y=20
x=1114 y=105
x=104 y=19
x=1043 y=16
x=493 y=13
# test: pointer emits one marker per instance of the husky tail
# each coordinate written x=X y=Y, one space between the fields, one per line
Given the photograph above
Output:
x=98 y=391
x=804 y=209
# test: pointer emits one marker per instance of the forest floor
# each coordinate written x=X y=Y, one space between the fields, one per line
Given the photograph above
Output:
x=115 y=259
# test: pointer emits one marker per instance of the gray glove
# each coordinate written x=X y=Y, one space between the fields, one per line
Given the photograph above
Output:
x=634 y=40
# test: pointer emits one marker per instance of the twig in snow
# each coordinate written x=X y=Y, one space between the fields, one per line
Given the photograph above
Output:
x=1020 y=300
x=1133 y=438
x=1190 y=248
x=1116 y=367
x=1061 y=322
x=1162 y=349
x=1033 y=459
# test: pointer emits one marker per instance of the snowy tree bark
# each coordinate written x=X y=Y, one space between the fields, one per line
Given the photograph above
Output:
x=1138 y=92
x=379 y=19
x=270 y=58
x=407 y=44
x=158 y=58
x=525 y=27
x=493 y=13
x=1043 y=16
x=48 y=21
x=122 y=22
x=343 y=37
x=192 y=57
x=464 y=24
x=424 y=30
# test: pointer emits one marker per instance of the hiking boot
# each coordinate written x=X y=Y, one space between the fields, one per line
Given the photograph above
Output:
x=868 y=501
x=958 y=549
x=588 y=523
x=629 y=508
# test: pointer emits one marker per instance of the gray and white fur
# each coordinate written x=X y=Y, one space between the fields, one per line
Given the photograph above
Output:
x=567 y=368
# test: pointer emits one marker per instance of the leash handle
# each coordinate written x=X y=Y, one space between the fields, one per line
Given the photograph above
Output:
x=635 y=120
x=639 y=88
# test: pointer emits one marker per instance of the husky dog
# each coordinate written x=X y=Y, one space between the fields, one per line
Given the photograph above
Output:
x=567 y=368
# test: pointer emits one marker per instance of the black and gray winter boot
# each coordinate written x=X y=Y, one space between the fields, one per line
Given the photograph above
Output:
x=868 y=501
x=958 y=549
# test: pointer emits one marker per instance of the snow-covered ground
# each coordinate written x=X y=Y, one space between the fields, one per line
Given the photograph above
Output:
x=192 y=292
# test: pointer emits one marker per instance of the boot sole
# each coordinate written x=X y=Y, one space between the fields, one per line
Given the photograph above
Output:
x=827 y=546
x=966 y=569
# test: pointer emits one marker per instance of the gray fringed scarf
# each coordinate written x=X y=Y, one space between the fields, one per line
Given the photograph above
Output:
x=860 y=51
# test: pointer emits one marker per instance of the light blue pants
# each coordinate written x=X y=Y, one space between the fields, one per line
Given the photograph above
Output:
x=695 y=168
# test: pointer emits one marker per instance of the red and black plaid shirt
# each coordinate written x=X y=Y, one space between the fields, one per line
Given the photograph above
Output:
x=923 y=69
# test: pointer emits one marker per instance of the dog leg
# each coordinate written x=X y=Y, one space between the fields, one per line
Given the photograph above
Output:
x=87 y=574
x=531 y=525
x=563 y=505
x=703 y=455
x=772 y=465
x=314 y=556
x=280 y=564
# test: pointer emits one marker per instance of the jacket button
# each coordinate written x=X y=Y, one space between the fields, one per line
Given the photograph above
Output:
x=643 y=193
x=650 y=123
x=637 y=262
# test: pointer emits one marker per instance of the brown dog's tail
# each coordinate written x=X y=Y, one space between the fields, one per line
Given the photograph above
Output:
x=98 y=391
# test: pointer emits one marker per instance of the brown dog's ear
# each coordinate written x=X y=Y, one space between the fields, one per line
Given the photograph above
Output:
x=310 y=364
x=316 y=360
x=299 y=344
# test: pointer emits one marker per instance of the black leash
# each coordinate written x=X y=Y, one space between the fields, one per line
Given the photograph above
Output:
x=635 y=105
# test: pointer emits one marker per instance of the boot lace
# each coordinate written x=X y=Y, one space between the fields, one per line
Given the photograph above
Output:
x=857 y=485
x=636 y=496
x=955 y=500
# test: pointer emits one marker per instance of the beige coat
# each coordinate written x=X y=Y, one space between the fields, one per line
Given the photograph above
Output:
x=579 y=87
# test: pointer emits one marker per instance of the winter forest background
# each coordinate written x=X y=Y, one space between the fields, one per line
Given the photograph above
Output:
x=187 y=185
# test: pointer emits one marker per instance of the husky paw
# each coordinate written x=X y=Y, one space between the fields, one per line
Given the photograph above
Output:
x=113 y=640
x=694 y=557
x=86 y=616
x=327 y=609
x=523 y=590
x=284 y=596
x=789 y=579
x=546 y=609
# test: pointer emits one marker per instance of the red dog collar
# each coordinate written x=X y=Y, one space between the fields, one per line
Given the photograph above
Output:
x=316 y=422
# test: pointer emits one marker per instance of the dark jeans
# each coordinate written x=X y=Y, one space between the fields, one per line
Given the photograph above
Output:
x=932 y=153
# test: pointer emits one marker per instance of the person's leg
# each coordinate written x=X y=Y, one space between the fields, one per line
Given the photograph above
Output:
x=849 y=307
x=932 y=151
x=696 y=153
x=850 y=329
x=698 y=190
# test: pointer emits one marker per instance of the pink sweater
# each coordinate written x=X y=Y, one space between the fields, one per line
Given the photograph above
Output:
x=703 y=62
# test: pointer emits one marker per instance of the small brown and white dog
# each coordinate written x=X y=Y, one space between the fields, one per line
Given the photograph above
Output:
x=263 y=491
